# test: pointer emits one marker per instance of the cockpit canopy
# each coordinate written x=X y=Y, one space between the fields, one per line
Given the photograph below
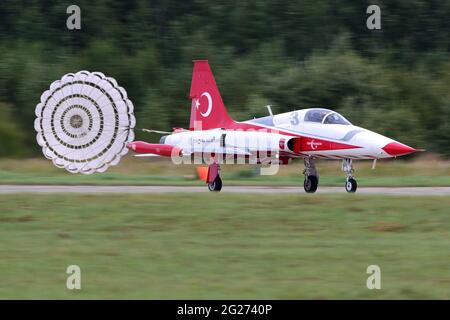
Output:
x=324 y=116
x=295 y=118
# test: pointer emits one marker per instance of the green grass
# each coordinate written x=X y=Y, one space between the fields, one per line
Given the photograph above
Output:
x=224 y=246
x=230 y=179
x=134 y=171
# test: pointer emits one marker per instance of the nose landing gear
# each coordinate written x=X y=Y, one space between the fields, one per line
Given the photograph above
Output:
x=311 y=176
x=350 y=184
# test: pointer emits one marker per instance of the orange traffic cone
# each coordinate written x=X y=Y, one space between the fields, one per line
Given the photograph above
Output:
x=202 y=173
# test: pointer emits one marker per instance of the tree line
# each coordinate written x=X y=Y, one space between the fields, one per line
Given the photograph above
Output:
x=290 y=54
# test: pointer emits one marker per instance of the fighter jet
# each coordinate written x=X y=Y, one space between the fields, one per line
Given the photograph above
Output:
x=313 y=133
x=85 y=124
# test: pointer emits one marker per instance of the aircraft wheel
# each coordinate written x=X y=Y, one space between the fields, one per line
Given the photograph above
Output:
x=310 y=184
x=215 y=186
x=351 y=185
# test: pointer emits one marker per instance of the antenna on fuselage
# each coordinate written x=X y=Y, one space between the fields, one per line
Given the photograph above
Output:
x=269 y=108
x=156 y=131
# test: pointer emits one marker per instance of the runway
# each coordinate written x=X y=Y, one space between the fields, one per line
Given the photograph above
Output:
x=400 y=191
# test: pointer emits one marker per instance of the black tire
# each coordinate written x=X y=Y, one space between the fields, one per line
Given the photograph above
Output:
x=351 y=185
x=216 y=185
x=310 y=184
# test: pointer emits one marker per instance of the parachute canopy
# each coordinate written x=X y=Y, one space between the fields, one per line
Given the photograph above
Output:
x=84 y=122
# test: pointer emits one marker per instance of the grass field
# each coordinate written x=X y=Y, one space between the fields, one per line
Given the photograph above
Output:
x=224 y=246
x=133 y=171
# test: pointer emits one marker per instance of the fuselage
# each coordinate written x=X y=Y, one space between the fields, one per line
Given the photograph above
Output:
x=327 y=134
x=317 y=133
x=214 y=138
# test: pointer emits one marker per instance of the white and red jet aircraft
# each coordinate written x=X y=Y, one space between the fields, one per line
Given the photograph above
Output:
x=85 y=121
x=315 y=133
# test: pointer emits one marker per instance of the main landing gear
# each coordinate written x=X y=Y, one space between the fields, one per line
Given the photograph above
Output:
x=216 y=185
x=213 y=179
x=350 y=183
x=311 y=176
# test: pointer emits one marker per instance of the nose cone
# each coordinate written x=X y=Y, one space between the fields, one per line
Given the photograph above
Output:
x=398 y=149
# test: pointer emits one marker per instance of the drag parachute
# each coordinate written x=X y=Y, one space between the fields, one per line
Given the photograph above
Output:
x=84 y=122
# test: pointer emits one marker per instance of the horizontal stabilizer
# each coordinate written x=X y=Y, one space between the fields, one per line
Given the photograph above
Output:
x=147 y=155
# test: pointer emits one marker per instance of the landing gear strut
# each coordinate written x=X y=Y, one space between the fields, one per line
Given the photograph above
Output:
x=213 y=180
x=350 y=183
x=311 y=176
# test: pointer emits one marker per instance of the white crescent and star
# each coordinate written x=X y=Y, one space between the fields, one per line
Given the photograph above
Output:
x=197 y=104
x=314 y=144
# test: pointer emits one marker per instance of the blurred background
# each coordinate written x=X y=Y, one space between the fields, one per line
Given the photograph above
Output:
x=290 y=54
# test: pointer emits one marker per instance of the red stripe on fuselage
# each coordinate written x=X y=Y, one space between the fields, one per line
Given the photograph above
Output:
x=307 y=143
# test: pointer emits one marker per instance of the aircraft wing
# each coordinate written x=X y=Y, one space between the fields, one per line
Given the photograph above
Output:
x=221 y=150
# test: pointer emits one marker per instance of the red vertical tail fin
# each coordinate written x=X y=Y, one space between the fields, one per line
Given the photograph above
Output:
x=207 y=109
